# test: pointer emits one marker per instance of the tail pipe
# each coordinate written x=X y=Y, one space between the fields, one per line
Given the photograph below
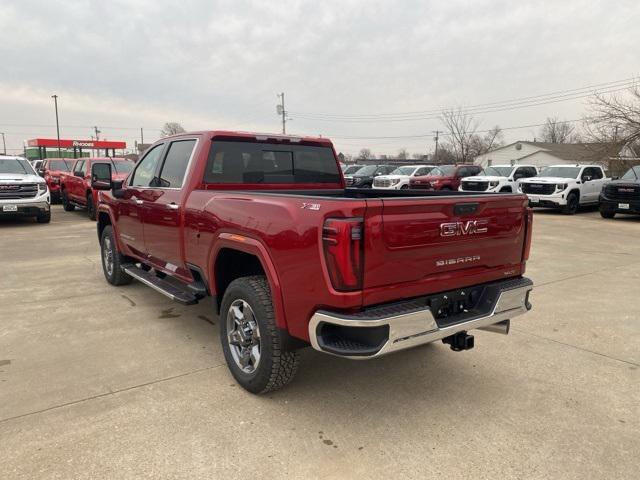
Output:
x=500 y=327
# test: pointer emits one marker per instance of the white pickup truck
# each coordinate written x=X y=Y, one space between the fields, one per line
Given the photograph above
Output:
x=565 y=187
x=498 y=179
x=400 y=177
x=22 y=191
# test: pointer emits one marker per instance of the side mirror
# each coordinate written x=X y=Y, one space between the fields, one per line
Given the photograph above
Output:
x=615 y=178
x=41 y=172
x=101 y=176
x=586 y=178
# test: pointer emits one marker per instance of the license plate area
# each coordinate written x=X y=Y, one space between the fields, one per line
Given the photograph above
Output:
x=623 y=206
x=9 y=208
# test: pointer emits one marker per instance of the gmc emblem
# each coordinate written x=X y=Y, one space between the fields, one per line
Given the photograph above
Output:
x=626 y=190
x=470 y=227
x=9 y=187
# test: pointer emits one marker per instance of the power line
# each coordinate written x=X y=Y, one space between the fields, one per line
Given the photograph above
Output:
x=473 y=111
x=423 y=135
x=570 y=94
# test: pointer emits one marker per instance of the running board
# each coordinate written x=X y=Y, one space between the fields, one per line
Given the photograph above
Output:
x=160 y=285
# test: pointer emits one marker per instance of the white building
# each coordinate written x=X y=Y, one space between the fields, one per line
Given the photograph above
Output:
x=542 y=154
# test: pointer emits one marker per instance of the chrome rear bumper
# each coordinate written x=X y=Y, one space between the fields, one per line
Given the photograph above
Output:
x=382 y=330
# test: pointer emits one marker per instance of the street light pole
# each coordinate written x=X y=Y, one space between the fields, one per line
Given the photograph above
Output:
x=4 y=145
x=55 y=102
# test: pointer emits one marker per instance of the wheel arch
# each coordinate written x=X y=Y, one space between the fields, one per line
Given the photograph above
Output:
x=235 y=256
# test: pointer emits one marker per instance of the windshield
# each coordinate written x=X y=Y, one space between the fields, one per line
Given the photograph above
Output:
x=497 y=171
x=632 y=174
x=562 y=172
x=62 y=165
x=123 y=167
x=368 y=170
x=351 y=169
x=18 y=167
x=403 y=171
x=443 y=171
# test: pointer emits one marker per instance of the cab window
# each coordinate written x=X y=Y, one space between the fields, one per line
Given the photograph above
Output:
x=145 y=171
x=175 y=163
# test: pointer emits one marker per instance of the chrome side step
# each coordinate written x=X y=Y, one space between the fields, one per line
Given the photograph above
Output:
x=160 y=285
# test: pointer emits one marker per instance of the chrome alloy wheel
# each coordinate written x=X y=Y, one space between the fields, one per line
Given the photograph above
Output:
x=243 y=336
x=107 y=255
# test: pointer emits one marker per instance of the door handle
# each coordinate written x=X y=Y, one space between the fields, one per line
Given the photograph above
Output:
x=139 y=202
x=173 y=206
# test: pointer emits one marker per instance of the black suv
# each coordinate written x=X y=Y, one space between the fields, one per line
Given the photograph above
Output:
x=621 y=196
x=363 y=178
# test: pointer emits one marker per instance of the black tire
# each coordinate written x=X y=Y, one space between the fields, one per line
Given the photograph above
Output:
x=91 y=208
x=607 y=213
x=404 y=187
x=506 y=190
x=44 y=217
x=276 y=366
x=446 y=189
x=114 y=274
x=573 y=202
x=68 y=207
x=366 y=185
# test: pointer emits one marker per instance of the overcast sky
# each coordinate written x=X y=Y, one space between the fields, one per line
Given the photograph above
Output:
x=213 y=64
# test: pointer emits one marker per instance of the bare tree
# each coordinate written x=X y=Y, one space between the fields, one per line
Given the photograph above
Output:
x=403 y=154
x=461 y=128
x=479 y=145
x=171 y=128
x=365 y=154
x=557 y=131
x=615 y=117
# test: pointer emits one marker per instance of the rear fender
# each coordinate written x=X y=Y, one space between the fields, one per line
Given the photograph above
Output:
x=253 y=247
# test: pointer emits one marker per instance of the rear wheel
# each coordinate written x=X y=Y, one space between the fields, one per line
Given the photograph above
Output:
x=250 y=341
x=91 y=208
x=68 y=207
x=112 y=259
x=572 y=204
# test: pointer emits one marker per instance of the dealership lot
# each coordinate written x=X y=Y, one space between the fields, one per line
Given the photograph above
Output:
x=103 y=382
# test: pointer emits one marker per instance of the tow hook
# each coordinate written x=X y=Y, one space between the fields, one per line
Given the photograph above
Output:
x=460 y=341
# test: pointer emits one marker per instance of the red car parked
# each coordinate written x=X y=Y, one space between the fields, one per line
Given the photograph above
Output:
x=51 y=170
x=264 y=225
x=75 y=186
x=445 y=177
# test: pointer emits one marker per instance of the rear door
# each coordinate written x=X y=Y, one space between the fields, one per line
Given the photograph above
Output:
x=163 y=209
x=435 y=238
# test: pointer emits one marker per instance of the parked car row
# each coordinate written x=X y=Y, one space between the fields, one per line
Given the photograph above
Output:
x=562 y=187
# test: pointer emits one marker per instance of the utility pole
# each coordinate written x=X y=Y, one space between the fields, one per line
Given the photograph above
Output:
x=437 y=132
x=4 y=145
x=98 y=132
x=141 y=135
x=281 y=111
x=55 y=102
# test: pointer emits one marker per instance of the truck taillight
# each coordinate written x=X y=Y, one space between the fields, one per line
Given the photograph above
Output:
x=343 y=252
x=528 y=232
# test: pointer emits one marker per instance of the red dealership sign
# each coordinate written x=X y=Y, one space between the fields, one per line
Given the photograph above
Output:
x=52 y=142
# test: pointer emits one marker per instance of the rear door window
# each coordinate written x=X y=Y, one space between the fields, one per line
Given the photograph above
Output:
x=260 y=163
x=175 y=163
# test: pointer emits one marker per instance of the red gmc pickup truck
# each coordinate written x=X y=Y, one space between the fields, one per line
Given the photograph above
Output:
x=265 y=226
x=75 y=185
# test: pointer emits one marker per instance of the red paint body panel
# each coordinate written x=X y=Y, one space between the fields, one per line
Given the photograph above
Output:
x=402 y=237
x=78 y=187
x=447 y=182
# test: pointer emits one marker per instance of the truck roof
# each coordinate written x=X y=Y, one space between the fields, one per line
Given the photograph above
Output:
x=257 y=136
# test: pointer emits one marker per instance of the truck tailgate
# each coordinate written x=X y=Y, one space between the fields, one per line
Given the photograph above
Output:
x=418 y=238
